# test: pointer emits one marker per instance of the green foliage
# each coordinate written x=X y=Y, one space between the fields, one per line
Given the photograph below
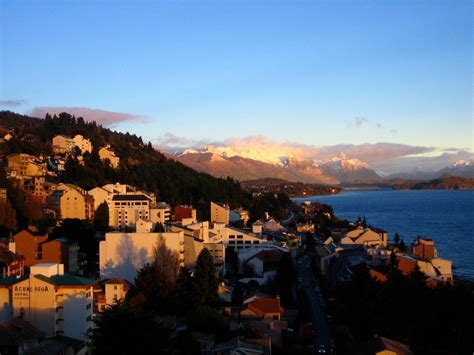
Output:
x=396 y=239
x=402 y=246
x=276 y=206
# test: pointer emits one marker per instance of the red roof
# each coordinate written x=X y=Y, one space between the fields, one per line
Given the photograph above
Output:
x=378 y=275
x=406 y=266
x=265 y=306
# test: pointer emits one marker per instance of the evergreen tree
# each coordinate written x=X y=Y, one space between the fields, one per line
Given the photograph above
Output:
x=101 y=218
x=205 y=278
x=309 y=242
x=402 y=246
x=396 y=239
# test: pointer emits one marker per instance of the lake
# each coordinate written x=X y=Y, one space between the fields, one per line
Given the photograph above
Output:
x=447 y=216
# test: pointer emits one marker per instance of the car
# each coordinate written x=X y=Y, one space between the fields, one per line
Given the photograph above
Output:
x=322 y=349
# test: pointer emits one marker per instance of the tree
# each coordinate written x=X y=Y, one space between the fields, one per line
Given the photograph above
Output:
x=205 y=278
x=402 y=246
x=101 y=218
x=396 y=239
x=309 y=242
x=208 y=320
x=231 y=260
x=156 y=280
x=122 y=330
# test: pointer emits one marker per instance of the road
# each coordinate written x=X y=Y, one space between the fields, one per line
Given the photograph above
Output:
x=308 y=283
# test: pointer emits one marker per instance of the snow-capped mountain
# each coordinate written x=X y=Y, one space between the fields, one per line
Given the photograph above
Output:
x=347 y=169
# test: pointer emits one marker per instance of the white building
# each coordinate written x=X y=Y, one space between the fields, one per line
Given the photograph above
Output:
x=121 y=255
x=160 y=213
x=126 y=210
x=234 y=237
x=82 y=143
x=54 y=302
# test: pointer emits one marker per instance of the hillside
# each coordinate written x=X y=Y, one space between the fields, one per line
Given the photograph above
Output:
x=140 y=164
x=298 y=189
x=445 y=182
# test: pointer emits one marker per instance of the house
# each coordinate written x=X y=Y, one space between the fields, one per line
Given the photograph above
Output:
x=273 y=226
x=39 y=249
x=263 y=308
x=11 y=264
x=18 y=336
x=63 y=144
x=424 y=248
x=52 y=301
x=236 y=346
x=100 y=196
x=25 y=165
x=239 y=214
x=70 y=201
x=385 y=346
x=367 y=236
x=234 y=237
x=184 y=212
x=82 y=143
x=220 y=213
x=265 y=261
x=109 y=291
x=107 y=154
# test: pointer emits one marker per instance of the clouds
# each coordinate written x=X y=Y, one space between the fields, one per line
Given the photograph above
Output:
x=364 y=122
x=103 y=117
x=272 y=150
x=13 y=103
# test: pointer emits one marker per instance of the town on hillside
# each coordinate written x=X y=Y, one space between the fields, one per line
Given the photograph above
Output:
x=114 y=269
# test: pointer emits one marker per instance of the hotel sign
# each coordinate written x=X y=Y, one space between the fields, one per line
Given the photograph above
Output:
x=23 y=292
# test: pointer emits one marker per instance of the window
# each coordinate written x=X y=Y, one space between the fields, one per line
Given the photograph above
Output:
x=240 y=236
x=115 y=287
x=89 y=305
x=255 y=242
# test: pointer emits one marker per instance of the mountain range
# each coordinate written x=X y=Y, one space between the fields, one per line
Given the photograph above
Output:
x=247 y=164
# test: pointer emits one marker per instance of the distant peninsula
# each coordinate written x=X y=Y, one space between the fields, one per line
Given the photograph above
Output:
x=292 y=189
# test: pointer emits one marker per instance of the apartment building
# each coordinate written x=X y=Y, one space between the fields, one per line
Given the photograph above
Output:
x=63 y=144
x=70 y=201
x=220 y=213
x=54 y=302
x=25 y=165
x=126 y=210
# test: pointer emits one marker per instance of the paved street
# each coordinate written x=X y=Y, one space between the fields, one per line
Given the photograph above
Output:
x=307 y=281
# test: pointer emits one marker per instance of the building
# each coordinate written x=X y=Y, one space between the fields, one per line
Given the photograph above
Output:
x=100 y=196
x=70 y=201
x=126 y=210
x=52 y=301
x=123 y=254
x=39 y=249
x=220 y=213
x=11 y=264
x=82 y=143
x=25 y=165
x=265 y=261
x=17 y=336
x=234 y=237
x=105 y=153
x=109 y=292
x=160 y=213
x=263 y=308
x=367 y=237
x=424 y=248
x=239 y=214
x=63 y=144
x=184 y=212
x=385 y=346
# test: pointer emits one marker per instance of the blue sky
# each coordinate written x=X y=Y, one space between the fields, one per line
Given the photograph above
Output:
x=313 y=72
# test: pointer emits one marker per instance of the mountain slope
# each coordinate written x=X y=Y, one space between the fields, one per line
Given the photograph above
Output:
x=348 y=170
x=249 y=169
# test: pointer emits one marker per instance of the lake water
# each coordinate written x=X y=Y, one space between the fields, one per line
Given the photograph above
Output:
x=447 y=216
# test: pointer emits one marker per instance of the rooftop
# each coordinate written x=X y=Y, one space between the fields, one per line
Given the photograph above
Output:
x=130 y=198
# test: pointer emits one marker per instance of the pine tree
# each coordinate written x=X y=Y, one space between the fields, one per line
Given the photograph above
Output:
x=402 y=246
x=101 y=218
x=205 y=279
x=396 y=239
